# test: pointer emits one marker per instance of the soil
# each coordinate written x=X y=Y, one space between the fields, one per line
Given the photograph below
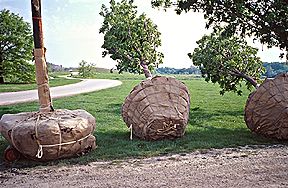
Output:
x=249 y=166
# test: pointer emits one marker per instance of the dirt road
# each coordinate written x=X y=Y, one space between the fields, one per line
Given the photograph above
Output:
x=248 y=166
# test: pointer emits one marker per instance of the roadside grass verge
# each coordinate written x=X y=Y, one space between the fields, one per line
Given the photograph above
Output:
x=56 y=81
x=215 y=122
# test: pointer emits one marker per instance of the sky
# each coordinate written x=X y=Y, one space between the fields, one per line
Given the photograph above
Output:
x=71 y=32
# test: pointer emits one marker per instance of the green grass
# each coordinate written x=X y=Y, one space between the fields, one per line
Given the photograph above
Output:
x=129 y=76
x=56 y=81
x=215 y=122
x=117 y=76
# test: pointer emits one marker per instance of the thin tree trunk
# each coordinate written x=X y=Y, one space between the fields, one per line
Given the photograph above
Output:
x=286 y=56
x=1 y=70
x=1 y=78
x=40 y=62
x=146 y=70
x=246 y=77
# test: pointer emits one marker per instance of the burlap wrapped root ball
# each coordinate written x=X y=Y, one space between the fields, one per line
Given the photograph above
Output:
x=157 y=109
x=50 y=136
x=266 y=111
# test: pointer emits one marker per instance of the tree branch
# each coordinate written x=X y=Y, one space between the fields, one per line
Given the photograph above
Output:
x=246 y=77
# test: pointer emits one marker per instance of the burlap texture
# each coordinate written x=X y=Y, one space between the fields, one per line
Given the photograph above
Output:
x=27 y=131
x=266 y=111
x=157 y=108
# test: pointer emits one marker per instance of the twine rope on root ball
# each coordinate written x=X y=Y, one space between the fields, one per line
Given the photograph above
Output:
x=14 y=128
x=37 y=116
x=131 y=132
x=157 y=109
x=39 y=154
x=40 y=149
x=66 y=133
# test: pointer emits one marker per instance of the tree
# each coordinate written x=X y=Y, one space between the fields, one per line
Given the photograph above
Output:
x=227 y=60
x=85 y=69
x=130 y=39
x=274 y=68
x=16 y=46
x=264 y=20
x=168 y=70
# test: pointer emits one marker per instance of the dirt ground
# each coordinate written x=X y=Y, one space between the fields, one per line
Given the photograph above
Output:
x=249 y=166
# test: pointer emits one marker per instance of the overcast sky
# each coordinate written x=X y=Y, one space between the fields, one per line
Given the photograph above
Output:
x=71 y=32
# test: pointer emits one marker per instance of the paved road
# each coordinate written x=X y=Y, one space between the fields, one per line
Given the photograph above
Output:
x=85 y=86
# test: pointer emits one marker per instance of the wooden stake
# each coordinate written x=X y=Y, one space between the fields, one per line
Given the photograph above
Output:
x=40 y=61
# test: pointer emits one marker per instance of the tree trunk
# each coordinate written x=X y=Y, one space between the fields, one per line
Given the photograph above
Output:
x=1 y=79
x=146 y=70
x=40 y=62
x=246 y=77
x=1 y=70
x=286 y=56
x=1 y=73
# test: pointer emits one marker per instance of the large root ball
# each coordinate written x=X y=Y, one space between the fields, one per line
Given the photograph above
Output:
x=157 y=109
x=49 y=136
x=266 y=111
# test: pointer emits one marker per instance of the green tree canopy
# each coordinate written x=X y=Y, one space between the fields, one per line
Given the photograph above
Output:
x=274 y=68
x=86 y=69
x=227 y=60
x=132 y=40
x=264 y=20
x=16 y=46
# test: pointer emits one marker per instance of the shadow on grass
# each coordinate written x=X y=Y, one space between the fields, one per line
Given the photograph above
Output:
x=116 y=145
x=115 y=108
x=113 y=141
x=197 y=115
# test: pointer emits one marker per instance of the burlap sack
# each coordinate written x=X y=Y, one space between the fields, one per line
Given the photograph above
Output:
x=49 y=136
x=157 y=109
x=266 y=111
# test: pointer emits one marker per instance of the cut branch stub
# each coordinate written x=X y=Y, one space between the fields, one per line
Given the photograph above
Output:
x=157 y=109
x=266 y=111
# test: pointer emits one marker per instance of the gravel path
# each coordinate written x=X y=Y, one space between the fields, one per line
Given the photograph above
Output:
x=250 y=166
x=85 y=86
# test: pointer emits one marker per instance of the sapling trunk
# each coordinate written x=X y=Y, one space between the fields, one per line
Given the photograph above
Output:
x=146 y=70
x=286 y=56
x=250 y=80
x=246 y=77
x=40 y=62
x=1 y=70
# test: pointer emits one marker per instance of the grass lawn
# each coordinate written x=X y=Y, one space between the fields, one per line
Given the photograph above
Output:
x=56 y=81
x=215 y=121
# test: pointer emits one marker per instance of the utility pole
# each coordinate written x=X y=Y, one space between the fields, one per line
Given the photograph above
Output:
x=40 y=61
